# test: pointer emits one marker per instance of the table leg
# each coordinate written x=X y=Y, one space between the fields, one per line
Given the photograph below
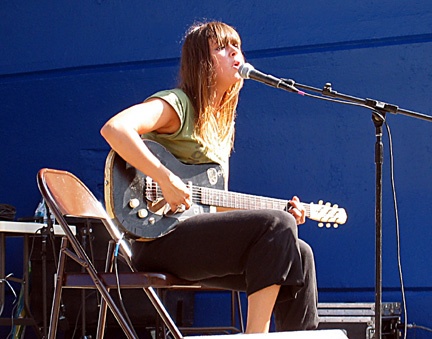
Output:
x=2 y=271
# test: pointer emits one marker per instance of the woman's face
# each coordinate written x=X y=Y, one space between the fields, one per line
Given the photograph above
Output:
x=226 y=60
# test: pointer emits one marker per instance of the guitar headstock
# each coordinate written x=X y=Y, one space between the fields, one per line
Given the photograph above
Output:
x=326 y=214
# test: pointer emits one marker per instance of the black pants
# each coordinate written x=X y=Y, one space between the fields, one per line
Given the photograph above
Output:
x=242 y=250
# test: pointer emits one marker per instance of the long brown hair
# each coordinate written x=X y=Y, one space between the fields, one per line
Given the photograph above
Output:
x=197 y=78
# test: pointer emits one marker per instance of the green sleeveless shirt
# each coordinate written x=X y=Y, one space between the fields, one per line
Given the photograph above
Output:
x=185 y=144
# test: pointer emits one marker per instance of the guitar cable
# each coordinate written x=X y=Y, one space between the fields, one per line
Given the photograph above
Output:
x=116 y=251
x=396 y=212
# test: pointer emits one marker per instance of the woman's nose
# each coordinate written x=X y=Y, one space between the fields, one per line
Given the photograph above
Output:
x=234 y=50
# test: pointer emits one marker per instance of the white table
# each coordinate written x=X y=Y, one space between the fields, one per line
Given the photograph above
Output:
x=28 y=227
x=24 y=229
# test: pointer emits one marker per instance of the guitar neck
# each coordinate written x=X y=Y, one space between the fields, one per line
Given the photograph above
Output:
x=235 y=200
x=220 y=198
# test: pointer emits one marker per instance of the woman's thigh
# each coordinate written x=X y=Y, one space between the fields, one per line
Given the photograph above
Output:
x=211 y=245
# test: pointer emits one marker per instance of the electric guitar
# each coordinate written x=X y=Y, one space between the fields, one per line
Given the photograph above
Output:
x=135 y=202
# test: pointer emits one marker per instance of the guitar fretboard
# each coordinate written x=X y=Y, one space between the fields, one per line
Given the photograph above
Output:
x=221 y=198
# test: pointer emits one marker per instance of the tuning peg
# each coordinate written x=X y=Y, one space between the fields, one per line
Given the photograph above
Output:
x=328 y=204
x=320 y=202
x=320 y=224
x=336 y=206
x=335 y=225
x=328 y=225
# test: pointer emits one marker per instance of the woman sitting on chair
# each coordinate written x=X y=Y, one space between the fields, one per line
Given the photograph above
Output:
x=256 y=251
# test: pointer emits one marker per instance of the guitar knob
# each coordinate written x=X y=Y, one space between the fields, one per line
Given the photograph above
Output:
x=134 y=203
x=142 y=213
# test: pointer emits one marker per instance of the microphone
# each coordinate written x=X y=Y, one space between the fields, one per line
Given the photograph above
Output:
x=247 y=71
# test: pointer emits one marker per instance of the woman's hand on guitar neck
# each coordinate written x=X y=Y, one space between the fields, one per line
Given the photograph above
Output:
x=297 y=210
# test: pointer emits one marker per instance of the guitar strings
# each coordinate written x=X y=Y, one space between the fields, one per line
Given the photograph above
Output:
x=229 y=199
x=206 y=196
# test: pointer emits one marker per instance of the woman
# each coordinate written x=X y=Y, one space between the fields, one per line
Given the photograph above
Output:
x=255 y=251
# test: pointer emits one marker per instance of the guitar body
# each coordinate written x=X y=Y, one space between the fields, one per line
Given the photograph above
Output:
x=130 y=195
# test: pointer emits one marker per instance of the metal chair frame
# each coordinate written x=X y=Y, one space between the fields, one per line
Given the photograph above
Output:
x=67 y=197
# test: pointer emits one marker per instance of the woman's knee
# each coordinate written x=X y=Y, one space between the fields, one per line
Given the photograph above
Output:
x=306 y=250
x=308 y=260
x=284 y=221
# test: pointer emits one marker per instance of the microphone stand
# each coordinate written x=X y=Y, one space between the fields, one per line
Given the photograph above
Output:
x=379 y=110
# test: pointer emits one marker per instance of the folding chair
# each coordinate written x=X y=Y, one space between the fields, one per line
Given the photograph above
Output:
x=67 y=197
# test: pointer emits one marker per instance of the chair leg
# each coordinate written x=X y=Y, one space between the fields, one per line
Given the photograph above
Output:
x=160 y=327
x=163 y=313
x=55 y=309
x=103 y=305
x=236 y=297
x=124 y=324
x=81 y=258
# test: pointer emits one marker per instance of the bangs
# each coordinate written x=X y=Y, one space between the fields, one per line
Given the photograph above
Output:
x=223 y=34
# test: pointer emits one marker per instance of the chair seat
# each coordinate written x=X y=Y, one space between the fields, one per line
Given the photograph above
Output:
x=128 y=280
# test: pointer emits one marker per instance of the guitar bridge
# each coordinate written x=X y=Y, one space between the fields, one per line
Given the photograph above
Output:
x=157 y=207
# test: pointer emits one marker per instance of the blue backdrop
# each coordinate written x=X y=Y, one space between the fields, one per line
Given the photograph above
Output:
x=66 y=67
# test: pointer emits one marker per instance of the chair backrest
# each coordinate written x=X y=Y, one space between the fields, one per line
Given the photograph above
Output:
x=67 y=196
x=65 y=193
